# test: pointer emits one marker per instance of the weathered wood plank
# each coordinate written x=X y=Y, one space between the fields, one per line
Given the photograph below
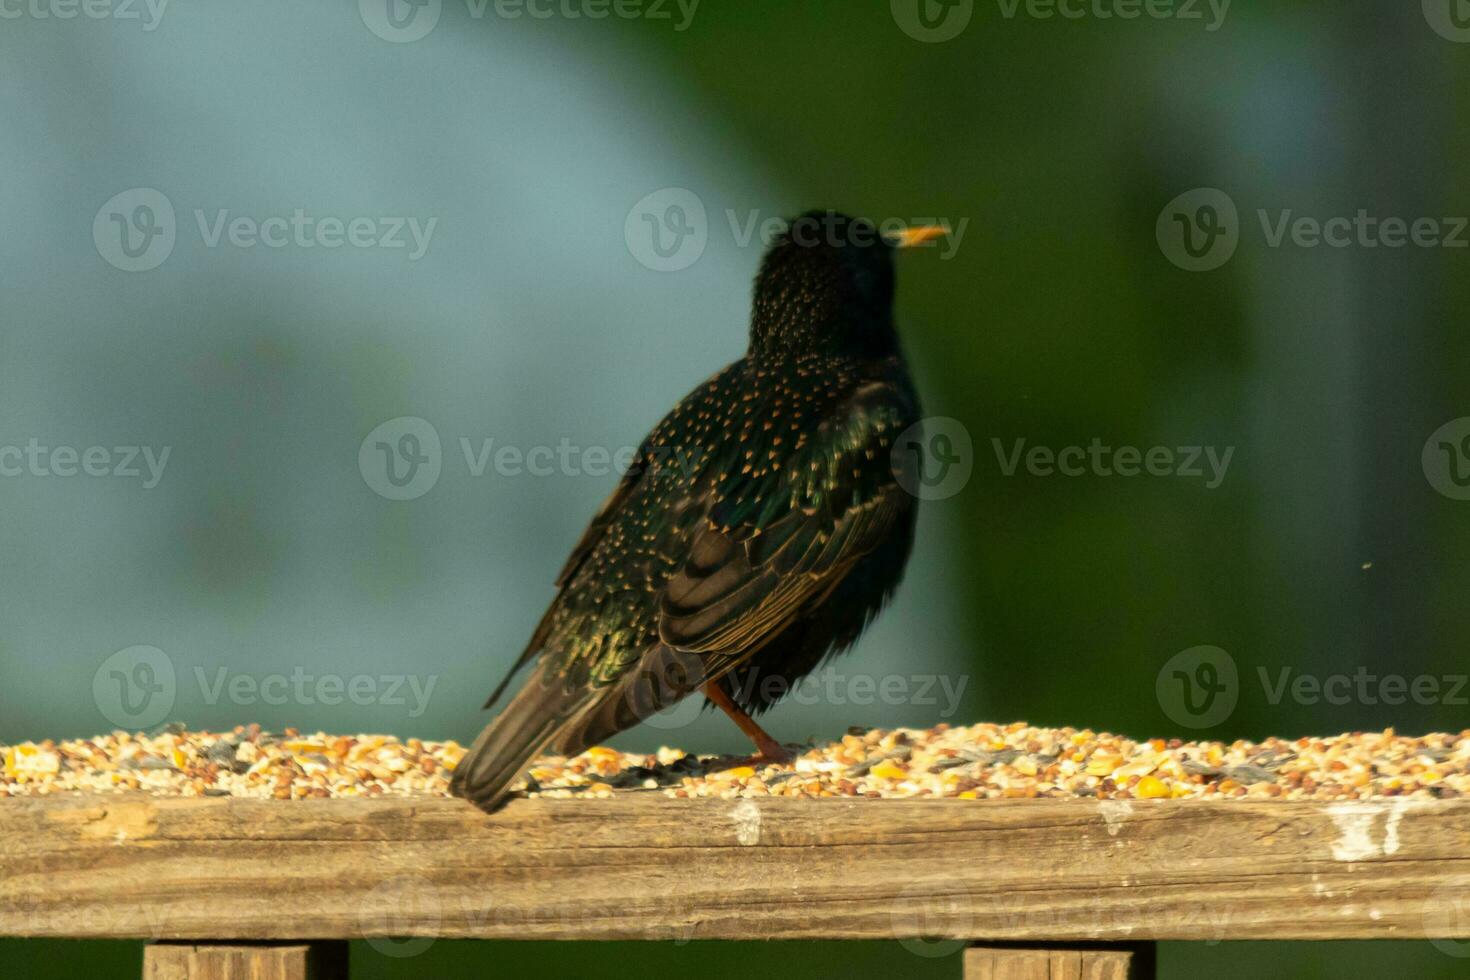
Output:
x=1119 y=962
x=650 y=867
x=177 y=961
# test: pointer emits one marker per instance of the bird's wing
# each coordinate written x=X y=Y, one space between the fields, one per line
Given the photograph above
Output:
x=759 y=547
x=777 y=539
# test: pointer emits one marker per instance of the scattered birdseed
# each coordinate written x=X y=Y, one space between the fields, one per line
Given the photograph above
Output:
x=983 y=761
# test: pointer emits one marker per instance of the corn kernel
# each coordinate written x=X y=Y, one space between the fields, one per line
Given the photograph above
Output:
x=1150 y=788
x=887 y=769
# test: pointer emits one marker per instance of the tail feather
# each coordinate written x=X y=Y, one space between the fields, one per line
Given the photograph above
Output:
x=545 y=714
x=510 y=743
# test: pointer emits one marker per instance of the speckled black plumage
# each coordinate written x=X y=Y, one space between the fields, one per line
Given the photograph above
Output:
x=760 y=529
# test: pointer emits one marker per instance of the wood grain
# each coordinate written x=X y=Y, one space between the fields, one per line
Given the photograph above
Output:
x=648 y=867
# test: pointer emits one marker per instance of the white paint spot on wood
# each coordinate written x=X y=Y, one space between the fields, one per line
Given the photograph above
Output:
x=1355 y=824
x=1399 y=807
x=747 y=817
x=1114 y=813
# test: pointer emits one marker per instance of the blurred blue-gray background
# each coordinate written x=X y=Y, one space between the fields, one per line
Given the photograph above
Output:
x=262 y=238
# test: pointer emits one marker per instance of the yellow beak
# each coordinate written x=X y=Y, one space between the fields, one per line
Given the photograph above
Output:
x=910 y=237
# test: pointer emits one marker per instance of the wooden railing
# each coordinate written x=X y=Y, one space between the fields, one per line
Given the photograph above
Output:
x=1083 y=887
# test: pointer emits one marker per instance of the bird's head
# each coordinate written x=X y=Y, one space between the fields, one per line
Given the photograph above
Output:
x=826 y=284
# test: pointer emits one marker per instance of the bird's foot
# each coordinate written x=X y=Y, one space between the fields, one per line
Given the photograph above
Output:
x=774 y=754
x=771 y=752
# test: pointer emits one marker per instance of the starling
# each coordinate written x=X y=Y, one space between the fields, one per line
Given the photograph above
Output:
x=762 y=525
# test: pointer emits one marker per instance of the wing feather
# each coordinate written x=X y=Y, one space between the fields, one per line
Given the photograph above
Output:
x=745 y=583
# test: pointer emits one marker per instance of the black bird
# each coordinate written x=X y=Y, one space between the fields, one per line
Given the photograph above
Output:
x=763 y=523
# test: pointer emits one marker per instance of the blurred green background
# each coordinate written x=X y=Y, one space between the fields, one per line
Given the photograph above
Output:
x=534 y=143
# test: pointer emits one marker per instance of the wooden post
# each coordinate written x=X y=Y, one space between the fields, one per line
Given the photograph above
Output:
x=188 y=961
x=1065 y=961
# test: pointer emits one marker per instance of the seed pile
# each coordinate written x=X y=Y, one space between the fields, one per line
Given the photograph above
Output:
x=983 y=761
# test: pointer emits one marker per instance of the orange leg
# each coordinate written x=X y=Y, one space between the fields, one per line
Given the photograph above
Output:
x=770 y=749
